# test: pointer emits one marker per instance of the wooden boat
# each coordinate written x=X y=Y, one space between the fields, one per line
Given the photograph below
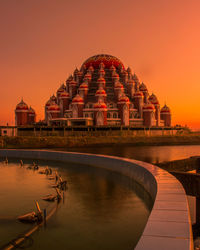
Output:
x=49 y=197
x=52 y=197
x=32 y=216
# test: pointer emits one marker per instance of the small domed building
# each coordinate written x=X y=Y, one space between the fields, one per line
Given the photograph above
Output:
x=24 y=115
x=102 y=93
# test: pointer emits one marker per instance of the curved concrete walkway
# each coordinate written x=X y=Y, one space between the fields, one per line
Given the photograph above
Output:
x=169 y=224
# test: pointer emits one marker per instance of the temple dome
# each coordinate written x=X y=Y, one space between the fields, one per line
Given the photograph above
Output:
x=31 y=111
x=148 y=106
x=107 y=60
x=77 y=99
x=100 y=105
x=53 y=107
x=22 y=106
x=165 y=109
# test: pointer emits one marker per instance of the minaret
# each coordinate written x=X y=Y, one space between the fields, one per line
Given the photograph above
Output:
x=138 y=101
x=148 y=115
x=130 y=87
x=53 y=112
x=59 y=91
x=101 y=95
x=77 y=106
x=21 y=114
x=72 y=88
x=124 y=107
x=144 y=90
x=101 y=82
x=115 y=77
x=87 y=78
x=153 y=99
x=165 y=115
x=100 y=113
x=31 y=116
x=118 y=90
x=83 y=90
x=64 y=102
x=101 y=73
x=125 y=76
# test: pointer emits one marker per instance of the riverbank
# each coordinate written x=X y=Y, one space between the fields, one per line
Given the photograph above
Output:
x=31 y=142
x=182 y=165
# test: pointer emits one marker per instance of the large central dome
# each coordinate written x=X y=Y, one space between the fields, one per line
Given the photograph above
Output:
x=108 y=60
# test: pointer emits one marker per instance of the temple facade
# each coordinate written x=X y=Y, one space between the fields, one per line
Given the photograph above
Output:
x=101 y=93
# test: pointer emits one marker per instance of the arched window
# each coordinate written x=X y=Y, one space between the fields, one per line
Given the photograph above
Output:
x=115 y=115
x=86 y=114
x=108 y=115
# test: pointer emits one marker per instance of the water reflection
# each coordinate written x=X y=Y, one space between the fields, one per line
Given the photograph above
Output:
x=101 y=210
x=152 y=154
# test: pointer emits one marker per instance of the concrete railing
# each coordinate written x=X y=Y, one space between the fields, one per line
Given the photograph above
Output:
x=169 y=224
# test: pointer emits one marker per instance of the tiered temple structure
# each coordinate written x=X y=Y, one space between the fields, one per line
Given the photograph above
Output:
x=101 y=93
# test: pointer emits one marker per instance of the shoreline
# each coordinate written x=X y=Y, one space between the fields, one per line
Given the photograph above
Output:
x=29 y=142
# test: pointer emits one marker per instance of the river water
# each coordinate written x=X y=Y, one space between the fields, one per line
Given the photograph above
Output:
x=151 y=154
x=100 y=210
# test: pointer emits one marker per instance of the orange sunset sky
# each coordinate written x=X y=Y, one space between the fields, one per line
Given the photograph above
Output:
x=42 y=41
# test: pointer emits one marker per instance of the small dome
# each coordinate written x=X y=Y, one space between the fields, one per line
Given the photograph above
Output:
x=125 y=73
x=118 y=85
x=83 y=85
x=153 y=99
x=138 y=94
x=102 y=71
x=165 y=109
x=80 y=74
x=135 y=78
x=61 y=89
x=142 y=87
x=101 y=65
x=101 y=92
x=124 y=98
x=91 y=68
x=112 y=67
x=130 y=82
x=101 y=80
x=53 y=107
x=128 y=70
x=100 y=105
x=64 y=94
x=115 y=76
x=53 y=98
x=76 y=71
x=149 y=107
x=31 y=111
x=87 y=76
x=73 y=82
x=77 y=99
x=48 y=103
x=22 y=106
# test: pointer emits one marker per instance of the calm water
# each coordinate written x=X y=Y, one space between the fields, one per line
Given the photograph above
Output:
x=101 y=209
x=152 y=154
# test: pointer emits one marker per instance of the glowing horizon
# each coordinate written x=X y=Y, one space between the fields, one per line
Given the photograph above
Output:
x=43 y=41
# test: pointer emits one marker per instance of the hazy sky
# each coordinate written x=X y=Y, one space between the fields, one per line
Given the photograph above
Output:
x=42 y=41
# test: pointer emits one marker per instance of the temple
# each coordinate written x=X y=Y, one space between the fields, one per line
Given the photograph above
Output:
x=101 y=93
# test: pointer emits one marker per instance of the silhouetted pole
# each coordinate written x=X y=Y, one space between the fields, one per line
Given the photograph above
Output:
x=198 y=198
